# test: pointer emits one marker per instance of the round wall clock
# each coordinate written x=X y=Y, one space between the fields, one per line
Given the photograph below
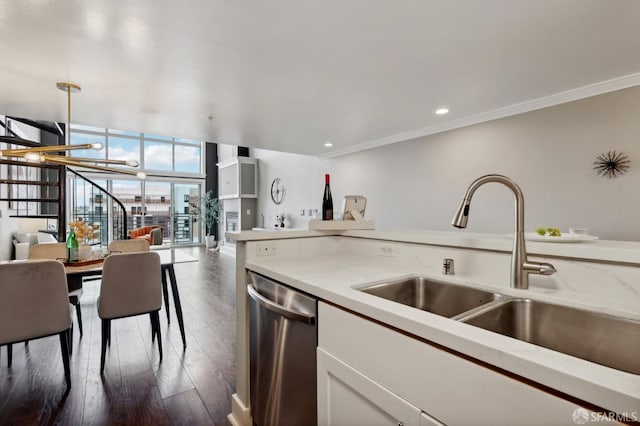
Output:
x=277 y=191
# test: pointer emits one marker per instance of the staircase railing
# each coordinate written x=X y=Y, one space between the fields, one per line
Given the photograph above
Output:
x=44 y=191
x=95 y=212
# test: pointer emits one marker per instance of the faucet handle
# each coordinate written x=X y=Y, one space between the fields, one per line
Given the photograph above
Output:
x=541 y=268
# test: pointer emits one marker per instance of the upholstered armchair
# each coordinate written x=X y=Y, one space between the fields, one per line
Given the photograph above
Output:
x=152 y=233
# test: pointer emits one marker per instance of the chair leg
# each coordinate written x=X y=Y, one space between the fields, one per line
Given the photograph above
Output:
x=79 y=316
x=106 y=325
x=64 y=346
x=9 y=355
x=155 y=318
x=153 y=327
x=70 y=339
x=165 y=294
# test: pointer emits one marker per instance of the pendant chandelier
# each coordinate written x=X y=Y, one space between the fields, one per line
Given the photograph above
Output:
x=46 y=154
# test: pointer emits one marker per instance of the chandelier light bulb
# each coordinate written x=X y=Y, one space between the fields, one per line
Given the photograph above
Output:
x=33 y=156
x=96 y=145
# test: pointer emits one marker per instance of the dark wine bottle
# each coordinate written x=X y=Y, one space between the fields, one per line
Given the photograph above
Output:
x=327 y=201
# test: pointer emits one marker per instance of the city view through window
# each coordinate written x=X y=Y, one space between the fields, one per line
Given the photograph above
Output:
x=175 y=178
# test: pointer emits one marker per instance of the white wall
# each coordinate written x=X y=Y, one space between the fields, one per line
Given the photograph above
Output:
x=301 y=176
x=549 y=153
x=418 y=184
x=7 y=225
x=10 y=225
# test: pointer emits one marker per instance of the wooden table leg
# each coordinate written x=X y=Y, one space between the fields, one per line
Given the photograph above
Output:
x=176 y=301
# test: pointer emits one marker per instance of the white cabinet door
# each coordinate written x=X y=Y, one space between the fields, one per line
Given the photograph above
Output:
x=346 y=397
x=238 y=178
x=228 y=181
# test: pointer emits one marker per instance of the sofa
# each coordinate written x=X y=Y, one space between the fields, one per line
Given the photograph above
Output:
x=22 y=243
x=152 y=234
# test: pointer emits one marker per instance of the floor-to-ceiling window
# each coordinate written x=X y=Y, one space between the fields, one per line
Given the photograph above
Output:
x=157 y=204
x=186 y=226
x=175 y=178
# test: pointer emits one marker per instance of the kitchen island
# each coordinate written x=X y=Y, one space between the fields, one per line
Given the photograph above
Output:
x=445 y=369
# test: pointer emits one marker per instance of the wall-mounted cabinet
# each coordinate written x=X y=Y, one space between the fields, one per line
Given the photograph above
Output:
x=238 y=178
x=238 y=190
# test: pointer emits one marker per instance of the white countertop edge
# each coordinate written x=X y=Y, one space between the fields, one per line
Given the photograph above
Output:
x=598 y=250
x=277 y=234
x=599 y=385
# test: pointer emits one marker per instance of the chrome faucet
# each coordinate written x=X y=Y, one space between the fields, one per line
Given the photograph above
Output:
x=520 y=265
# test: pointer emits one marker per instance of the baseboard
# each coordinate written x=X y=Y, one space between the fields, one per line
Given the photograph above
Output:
x=240 y=415
x=228 y=249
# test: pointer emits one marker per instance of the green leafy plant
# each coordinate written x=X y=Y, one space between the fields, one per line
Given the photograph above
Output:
x=208 y=210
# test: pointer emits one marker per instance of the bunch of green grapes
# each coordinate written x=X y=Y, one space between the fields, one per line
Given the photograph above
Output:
x=551 y=232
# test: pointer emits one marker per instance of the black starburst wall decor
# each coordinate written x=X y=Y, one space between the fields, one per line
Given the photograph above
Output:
x=612 y=164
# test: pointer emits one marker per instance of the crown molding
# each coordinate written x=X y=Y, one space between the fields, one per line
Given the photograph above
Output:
x=583 y=92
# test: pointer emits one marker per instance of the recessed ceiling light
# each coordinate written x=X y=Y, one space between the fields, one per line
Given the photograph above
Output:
x=328 y=144
x=442 y=111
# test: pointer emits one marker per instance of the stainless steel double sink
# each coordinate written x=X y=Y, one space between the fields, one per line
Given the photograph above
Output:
x=593 y=336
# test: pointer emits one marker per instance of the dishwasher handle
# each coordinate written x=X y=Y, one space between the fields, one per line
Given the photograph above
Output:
x=279 y=309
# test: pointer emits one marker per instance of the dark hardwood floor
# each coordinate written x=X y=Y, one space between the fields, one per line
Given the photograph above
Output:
x=190 y=387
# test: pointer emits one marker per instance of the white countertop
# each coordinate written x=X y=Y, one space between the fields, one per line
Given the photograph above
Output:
x=333 y=276
x=599 y=250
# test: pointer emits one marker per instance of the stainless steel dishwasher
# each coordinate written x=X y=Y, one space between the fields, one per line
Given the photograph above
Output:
x=283 y=339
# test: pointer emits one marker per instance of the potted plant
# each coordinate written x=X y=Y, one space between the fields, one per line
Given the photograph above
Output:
x=208 y=210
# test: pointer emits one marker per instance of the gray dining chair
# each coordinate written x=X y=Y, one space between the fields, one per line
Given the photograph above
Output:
x=58 y=251
x=137 y=245
x=130 y=286
x=128 y=246
x=34 y=304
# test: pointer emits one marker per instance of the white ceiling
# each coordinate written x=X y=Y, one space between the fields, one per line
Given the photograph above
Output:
x=289 y=75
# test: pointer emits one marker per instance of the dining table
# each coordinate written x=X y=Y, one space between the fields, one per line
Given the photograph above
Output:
x=78 y=271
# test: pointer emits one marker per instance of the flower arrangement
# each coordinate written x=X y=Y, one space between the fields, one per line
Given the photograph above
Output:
x=85 y=232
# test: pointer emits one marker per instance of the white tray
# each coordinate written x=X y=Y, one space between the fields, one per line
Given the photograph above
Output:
x=564 y=238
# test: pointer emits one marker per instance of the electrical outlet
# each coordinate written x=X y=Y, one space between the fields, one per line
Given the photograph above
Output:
x=302 y=212
x=387 y=250
x=266 y=249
